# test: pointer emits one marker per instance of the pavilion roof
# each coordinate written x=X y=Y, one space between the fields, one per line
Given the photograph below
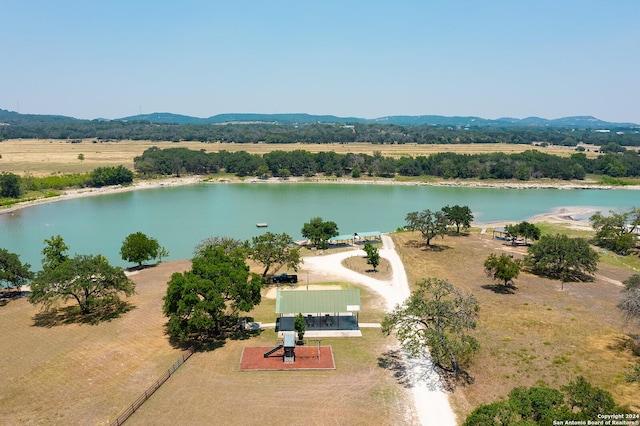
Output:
x=317 y=301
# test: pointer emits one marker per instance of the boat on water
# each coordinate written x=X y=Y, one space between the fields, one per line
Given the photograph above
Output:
x=261 y=225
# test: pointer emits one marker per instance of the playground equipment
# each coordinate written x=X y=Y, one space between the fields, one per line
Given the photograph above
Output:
x=289 y=344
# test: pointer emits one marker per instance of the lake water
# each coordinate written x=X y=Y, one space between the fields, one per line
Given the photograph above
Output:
x=180 y=217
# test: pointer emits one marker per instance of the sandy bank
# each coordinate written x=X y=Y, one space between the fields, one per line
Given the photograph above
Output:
x=572 y=216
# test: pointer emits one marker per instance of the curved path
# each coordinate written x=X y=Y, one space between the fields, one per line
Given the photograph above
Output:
x=431 y=400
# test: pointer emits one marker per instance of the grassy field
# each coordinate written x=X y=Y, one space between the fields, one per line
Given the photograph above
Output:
x=57 y=373
x=40 y=157
x=536 y=334
x=87 y=374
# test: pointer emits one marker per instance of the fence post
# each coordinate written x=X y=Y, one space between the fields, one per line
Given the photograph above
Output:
x=147 y=394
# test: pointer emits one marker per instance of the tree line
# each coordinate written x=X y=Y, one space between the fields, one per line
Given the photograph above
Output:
x=531 y=164
x=14 y=186
x=310 y=133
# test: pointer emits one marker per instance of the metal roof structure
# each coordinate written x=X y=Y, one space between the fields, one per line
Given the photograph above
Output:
x=361 y=235
x=317 y=301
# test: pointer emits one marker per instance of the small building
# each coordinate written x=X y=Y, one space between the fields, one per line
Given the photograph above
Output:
x=501 y=234
x=356 y=237
x=326 y=312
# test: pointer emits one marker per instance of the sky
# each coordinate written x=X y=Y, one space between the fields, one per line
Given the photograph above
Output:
x=350 y=58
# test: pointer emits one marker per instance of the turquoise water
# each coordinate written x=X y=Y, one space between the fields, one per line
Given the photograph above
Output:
x=180 y=217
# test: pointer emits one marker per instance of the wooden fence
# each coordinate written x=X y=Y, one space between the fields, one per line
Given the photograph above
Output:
x=154 y=387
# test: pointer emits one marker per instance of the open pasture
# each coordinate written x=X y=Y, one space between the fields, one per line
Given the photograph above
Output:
x=57 y=373
x=43 y=157
x=534 y=334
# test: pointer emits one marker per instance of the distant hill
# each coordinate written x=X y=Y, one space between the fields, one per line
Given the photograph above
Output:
x=579 y=122
x=14 y=118
x=165 y=117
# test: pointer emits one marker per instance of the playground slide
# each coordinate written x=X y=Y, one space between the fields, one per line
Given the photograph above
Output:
x=266 y=355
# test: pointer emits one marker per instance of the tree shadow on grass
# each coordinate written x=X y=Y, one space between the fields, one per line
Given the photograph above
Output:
x=629 y=342
x=414 y=243
x=204 y=343
x=501 y=288
x=141 y=267
x=410 y=372
x=458 y=234
x=7 y=295
x=73 y=315
x=430 y=248
x=435 y=248
x=211 y=342
x=576 y=277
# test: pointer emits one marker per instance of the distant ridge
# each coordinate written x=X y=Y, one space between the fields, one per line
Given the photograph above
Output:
x=402 y=120
x=579 y=122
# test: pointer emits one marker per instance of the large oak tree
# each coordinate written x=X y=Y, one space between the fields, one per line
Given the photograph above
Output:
x=13 y=273
x=439 y=317
x=88 y=279
x=429 y=224
x=319 y=231
x=273 y=251
x=138 y=248
x=460 y=216
x=202 y=302
x=561 y=257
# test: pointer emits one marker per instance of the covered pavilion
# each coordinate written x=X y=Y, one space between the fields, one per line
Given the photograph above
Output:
x=356 y=237
x=326 y=312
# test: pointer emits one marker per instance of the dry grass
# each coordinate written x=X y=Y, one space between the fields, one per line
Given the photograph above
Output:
x=83 y=374
x=359 y=264
x=536 y=334
x=86 y=374
x=79 y=373
x=43 y=157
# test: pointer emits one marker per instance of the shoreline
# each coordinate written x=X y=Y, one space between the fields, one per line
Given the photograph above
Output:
x=191 y=180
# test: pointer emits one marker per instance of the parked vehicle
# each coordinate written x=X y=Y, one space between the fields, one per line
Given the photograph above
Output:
x=284 y=278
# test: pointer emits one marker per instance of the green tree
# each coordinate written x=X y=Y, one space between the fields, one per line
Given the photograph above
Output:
x=373 y=255
x=81 y=157
x=104 y=176
x=13 y=273
x=162 y=252
x=616 y=231
x=9 y=185
x=300 y=326
x=262 y=171
x=89 y=280
x=275 y=251
x=428 y=223
x=502 y=268
x=202 y=302
x=319 y=232
x=524 y=229
x=630 y=304
x=588 y=400
x=578 y=401
x=54 y=251
x=138 y=247
x=459 y=216
x=228 y=244
x=436 y=316
x=561 y=257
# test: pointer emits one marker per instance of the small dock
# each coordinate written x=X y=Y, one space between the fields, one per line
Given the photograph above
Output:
x=261 y=224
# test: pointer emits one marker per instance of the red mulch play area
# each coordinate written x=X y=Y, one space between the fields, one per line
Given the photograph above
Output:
x=306 y=359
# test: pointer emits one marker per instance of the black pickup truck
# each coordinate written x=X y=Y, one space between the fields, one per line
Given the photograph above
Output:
x=284 y=278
